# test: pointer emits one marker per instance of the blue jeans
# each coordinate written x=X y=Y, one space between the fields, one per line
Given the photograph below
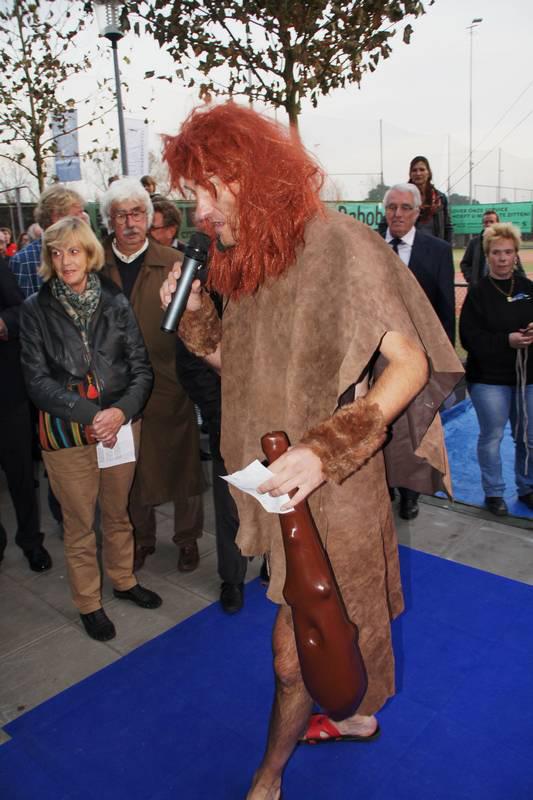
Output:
x=494 y=406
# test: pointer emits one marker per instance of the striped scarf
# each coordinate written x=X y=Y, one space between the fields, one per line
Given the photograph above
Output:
x=79 y=307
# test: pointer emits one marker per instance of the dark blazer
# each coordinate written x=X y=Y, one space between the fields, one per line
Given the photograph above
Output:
x=431 y=263
x=13 y=391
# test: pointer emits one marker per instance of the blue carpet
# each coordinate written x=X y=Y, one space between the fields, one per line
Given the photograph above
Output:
x=184 y=717
x=461 y=430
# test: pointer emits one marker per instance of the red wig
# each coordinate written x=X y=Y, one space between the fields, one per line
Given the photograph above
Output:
x=279 y=186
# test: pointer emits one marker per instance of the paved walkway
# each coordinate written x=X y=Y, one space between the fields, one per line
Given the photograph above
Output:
x=43 y=648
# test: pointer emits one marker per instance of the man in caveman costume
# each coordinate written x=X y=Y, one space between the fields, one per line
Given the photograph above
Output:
x=327 y=336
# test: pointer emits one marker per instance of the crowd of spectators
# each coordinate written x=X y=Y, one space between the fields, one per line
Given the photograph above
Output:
x=57 y=277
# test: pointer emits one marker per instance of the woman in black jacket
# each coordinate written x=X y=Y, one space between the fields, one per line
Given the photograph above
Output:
x=88 y=373
x=496 y=328
x=434 y=217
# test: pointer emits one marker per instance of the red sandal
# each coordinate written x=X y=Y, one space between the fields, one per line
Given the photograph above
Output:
x=321 y=730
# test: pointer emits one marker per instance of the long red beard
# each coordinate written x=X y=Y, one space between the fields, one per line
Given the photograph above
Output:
x=227 y=277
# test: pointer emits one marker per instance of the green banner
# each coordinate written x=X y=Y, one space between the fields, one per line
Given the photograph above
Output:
x=188 y=227
x=469 y=219
x=369 y=213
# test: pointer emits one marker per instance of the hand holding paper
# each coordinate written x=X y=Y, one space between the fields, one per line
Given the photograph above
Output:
x=297 y=473
x=252 y=476
x=121 y=453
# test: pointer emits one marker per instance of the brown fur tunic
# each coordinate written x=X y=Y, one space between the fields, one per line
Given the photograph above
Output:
x=289 y=353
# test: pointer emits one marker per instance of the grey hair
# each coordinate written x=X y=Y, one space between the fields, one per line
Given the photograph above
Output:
x=125 y=189
x=404 y=187
x=34 y=231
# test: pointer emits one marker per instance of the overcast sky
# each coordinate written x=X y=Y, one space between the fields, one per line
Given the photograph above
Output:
x=421 y=93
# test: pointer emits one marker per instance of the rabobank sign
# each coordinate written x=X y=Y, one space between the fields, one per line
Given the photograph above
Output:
x=369 y=213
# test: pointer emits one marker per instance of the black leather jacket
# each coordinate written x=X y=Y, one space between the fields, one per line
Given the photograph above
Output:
x=54 y=357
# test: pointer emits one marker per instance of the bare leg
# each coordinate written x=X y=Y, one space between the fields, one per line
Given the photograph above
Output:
x=290 y=712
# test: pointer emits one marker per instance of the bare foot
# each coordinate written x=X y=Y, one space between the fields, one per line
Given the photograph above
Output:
x=358 y=725
x=264 y=789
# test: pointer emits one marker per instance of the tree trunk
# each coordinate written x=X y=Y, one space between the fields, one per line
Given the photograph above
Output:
x=291 y=109
x=39 y=166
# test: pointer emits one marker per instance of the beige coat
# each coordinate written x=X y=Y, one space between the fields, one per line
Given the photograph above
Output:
x=169 y=464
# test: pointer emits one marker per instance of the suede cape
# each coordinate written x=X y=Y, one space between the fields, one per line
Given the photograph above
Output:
x=291 y=354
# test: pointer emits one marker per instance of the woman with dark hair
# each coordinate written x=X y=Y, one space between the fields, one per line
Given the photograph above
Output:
x=88 y=373
x=434 y=217
x=496 y=328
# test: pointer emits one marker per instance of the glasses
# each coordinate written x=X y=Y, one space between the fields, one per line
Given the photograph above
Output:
x=160 y=227
x=122 y=216
x=404 y=207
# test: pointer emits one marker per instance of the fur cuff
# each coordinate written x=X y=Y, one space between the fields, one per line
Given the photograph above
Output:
x=201 y=330
x=345 y=441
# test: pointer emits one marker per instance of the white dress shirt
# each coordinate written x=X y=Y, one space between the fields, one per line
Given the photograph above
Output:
x=405 y=248
x=128 y=259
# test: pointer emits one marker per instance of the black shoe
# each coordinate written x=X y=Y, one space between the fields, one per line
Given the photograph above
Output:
x=527 y=499
x=231 y=597
x=408 y=508
x=496 y=505
x=98 y=625
x=142 y=597
x=264 y=575
x=189 y=557
x=140 y=556
x=38 y=558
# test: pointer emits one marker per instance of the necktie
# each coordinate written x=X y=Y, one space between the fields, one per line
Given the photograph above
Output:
x=394 y=244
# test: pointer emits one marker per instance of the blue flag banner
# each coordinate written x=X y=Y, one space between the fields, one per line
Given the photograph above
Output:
x=67 y=157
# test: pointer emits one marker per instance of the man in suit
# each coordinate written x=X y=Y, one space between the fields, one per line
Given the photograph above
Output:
x=431 y=262
x=202 y=384
x=166 y=224
x=474 y=264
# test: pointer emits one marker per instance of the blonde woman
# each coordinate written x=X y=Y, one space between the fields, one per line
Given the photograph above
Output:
x=496 y=329
x=87 y=371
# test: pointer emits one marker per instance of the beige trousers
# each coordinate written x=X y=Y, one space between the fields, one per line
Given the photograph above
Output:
x=78 y=482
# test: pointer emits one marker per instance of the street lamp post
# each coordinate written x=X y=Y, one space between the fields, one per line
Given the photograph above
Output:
x=107 y=17
x=475 y=22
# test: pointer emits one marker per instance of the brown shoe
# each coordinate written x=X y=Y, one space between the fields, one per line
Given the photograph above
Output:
x=188 y=557
x=140 y=556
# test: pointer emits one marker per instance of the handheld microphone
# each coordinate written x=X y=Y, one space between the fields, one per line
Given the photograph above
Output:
x=195 y=258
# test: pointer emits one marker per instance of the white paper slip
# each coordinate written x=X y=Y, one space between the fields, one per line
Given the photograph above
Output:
x=252 y=476
x=122 y=453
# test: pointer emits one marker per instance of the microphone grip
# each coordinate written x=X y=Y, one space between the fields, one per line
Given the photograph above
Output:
x=174 y=312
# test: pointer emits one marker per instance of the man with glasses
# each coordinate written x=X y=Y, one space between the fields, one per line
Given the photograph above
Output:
x=168 y=467
x=431 y=262
x=166 y=224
